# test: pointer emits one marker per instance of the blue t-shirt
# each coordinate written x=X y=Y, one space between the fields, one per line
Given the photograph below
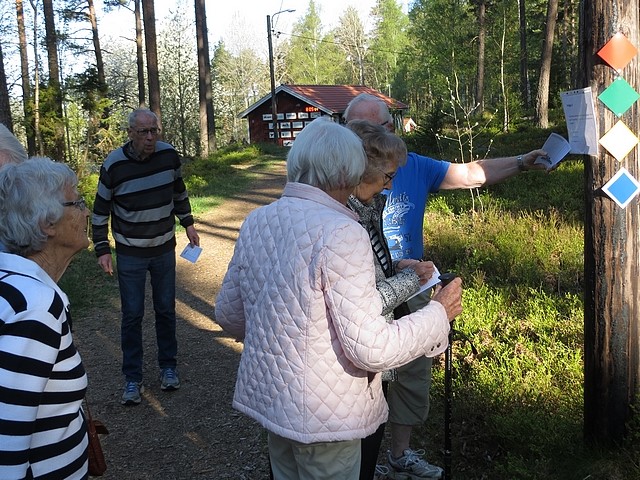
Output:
x=403 y=215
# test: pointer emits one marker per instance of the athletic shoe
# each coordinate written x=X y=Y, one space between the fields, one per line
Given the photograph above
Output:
x=411 y=466
x=131 y=395
x=169 y=379
x=381 y=472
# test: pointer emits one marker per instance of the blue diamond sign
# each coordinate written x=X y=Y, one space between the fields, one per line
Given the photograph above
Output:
x=622 y=188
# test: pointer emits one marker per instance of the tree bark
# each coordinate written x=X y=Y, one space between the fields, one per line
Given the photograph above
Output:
x=153 y=76
x=51 y=39
x=142 y=91
x=525 y=91
x=29 y=126
x=5 y=110
x=96 y=45
x=542 y=97
x=482 y=15
x=612 y=258
x=207 y=119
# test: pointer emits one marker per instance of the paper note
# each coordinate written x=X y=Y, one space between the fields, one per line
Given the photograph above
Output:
x=191 y=253
x=432 y=282
x=557 y=148
x=581 y=122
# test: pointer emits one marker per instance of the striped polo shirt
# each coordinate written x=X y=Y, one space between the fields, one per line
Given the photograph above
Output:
x=42 y=380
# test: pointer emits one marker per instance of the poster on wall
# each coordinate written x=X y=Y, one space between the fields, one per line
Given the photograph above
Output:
x=297 y=124
x=266 y=116
x=285 y=134
x=315 y=114
x=281 y=116
x=285 y=125
x=291 y=116
x=303 y=115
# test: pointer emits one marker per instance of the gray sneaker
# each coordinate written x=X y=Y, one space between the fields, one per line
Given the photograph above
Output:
x=131 y=395
x=169 y=379
x=411 y=466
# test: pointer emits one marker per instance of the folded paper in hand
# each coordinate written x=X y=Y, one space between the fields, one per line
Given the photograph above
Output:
x=557 y=148
x=191 y=253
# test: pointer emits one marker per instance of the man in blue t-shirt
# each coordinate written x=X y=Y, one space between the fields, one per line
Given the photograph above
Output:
x=403 y=218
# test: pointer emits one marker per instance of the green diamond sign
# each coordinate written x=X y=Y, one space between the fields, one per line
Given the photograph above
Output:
x=619 y=96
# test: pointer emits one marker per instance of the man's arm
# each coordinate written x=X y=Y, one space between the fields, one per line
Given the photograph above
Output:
x=489 y=171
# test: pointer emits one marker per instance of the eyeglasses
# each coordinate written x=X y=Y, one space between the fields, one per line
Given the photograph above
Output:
x=80 y=204
x=143 y=132
x=388 y=176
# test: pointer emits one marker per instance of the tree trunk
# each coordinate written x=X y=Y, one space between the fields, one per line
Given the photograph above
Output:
x=36 y=82
x=612 y=259
x=5 y=110
x=525 y=91
x=542 y=97
x=51 y=39
x=96 y=46
x=482 y=15
x=142 y=91
x=153 y=77
x=207 y=119
x=29 y=126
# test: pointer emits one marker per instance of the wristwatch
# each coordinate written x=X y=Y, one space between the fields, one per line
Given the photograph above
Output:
x=520 y=163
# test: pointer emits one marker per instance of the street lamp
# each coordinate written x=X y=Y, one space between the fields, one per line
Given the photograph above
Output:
x=274 y=106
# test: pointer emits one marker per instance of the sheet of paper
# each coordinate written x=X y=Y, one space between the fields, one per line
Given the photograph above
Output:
x=191 y=253
x=580 y=116
x=557 y=148
x=432 y=282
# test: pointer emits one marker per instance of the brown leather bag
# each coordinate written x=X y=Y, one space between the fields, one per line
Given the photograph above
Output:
x=97 y=462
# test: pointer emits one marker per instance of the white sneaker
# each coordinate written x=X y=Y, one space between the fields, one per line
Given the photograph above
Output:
x=411 y=466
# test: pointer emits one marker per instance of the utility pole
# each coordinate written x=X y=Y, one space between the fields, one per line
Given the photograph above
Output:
x=274 y=103
x=612 y=260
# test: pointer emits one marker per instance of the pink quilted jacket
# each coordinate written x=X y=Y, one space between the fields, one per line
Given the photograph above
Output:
x=300 y=292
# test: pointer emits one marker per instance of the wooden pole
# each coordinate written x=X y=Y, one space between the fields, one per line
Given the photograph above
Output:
x=611 y=239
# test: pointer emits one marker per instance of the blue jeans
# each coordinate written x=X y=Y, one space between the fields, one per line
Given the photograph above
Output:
x=132 y=276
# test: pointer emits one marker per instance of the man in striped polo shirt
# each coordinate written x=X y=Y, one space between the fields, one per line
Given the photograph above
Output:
x=141 y=189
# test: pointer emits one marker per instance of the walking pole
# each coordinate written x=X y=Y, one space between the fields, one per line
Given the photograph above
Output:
x=445 y=278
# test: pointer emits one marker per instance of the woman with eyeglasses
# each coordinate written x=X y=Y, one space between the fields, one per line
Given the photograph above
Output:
x=43 y=224
x=396 y=281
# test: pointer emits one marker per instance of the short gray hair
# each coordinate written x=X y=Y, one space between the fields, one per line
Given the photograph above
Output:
x=31 y=197
x=11 y=150
x=133 y=116
x=369 y=102
x=326 y=155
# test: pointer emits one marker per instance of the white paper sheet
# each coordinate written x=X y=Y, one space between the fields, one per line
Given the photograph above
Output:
x=191 y=253
x=432 y=282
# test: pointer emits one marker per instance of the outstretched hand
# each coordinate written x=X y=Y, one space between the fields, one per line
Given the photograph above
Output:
x=529 y=159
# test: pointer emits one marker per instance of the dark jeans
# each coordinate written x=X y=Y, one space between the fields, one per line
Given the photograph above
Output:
x=132 y=276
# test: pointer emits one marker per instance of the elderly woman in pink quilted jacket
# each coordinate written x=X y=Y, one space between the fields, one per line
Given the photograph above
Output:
x=300 y=292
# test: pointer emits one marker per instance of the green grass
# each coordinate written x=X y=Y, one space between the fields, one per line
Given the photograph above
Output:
x=517 y=410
